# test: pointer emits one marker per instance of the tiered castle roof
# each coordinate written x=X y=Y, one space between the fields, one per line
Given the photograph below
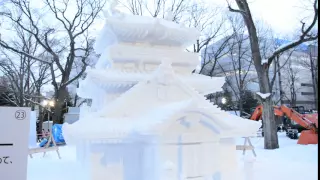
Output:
x=153 y=31
x=158 y=108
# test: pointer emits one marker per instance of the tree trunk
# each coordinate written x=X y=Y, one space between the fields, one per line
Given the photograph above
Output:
x=41 y=116
x=313 y=80
x=240 y=103
x=293 y=93
x=75 y=100
x=280 y=80
x=76 y=97
x=270 y=130
x=271 y=138
x=61 y=97
x=269 y=123
x=316 y=81
x=21 y=93
x=41 y=110
x=316 y=85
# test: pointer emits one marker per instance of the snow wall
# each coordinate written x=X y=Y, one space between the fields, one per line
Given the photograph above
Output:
x=33 y=130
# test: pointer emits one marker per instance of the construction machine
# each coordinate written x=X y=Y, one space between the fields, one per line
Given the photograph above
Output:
x=304 y=113
x=307 y=122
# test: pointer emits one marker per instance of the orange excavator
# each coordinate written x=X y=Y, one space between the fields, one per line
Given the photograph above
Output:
x=308 y=121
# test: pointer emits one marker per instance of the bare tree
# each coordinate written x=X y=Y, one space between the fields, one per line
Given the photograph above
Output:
x=239 y=62
x=173 y=9
x=211 y=52
x=74 y=43
x=212 y=44
x=208 y=21
x=4 y=92
x=268 y=44
x=26 y=75
x=291 y=79
x=262 y=66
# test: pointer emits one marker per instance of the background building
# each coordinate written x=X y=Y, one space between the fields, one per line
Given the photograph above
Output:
x=295 y=82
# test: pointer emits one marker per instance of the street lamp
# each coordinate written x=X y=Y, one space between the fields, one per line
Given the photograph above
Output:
x=44 y=102
x=48 y=104
x=51 y=103
x=224 y=100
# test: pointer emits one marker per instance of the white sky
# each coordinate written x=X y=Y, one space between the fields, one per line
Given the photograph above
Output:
x=282 y=15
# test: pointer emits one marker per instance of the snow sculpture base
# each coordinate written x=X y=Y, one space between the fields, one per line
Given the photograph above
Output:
x=228 y=159
x=144 y=158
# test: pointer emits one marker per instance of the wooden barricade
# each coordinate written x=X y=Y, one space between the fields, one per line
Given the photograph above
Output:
x=245 y=147
x=46 y=148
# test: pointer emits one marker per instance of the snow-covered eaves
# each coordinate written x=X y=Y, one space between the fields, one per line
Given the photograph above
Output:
x=156 y=31
x=105 y=78
x=105 y=127
x=147 y=54
x=153 y=115
x=156 y=121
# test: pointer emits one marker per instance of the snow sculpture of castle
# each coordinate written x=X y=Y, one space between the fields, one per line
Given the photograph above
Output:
x=149 y=119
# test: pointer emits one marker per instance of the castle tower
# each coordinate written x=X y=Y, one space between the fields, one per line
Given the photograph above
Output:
x=132 y=47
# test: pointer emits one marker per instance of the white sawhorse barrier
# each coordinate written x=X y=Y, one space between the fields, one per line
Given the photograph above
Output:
x=46 y=148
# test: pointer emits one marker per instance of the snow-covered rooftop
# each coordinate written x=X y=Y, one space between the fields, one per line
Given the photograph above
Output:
x=112 y=78
x=160 y=97
x=143 y=29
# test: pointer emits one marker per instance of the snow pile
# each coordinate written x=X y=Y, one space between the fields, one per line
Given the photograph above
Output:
x=263 y=96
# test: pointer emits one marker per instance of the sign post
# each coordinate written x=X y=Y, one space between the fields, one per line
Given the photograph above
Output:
x=14 y=140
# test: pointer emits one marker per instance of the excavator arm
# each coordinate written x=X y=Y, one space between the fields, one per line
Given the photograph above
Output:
x=257 y=114
x=298 y=118
x=303 y=120
x=310 y=122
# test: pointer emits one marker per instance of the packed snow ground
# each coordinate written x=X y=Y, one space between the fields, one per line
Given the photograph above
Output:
x=291 y=161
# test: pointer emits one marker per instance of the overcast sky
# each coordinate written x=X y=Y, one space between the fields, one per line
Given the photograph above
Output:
x=282 y=15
